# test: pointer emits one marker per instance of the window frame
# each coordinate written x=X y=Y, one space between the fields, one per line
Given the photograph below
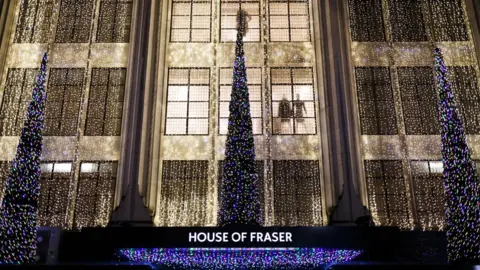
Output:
x=190 y=16
x=187 y=101
x=105 y=128
x=289 y=17
x=292 y=86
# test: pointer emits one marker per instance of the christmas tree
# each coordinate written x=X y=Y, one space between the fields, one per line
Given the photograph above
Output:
x=460 y=178
x=18 y=213
x=240 y=199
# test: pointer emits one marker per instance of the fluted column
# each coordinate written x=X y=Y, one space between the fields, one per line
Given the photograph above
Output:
x=345 y=162
x=473 y=10
x=130 y=207
x=7 y=20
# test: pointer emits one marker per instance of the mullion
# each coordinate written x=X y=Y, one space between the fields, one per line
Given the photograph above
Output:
x=106 y=102
x=294 y=117
x=34 y=21
x=115 y=21
x=188 y=91
x=190 y=40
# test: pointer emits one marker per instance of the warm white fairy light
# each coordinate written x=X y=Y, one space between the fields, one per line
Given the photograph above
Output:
x=45 y=21
x=398 y=48
x=216 y=54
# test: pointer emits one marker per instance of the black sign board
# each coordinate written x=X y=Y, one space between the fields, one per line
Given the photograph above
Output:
x=240 y=237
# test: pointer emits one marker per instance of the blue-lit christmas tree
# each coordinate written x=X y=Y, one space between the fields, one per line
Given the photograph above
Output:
x=18 y=213
x=460 y=177
x=240 y=199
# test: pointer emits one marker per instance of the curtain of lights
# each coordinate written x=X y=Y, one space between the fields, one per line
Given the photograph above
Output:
x=395 y=88
x=88 y=45
x=283 y=95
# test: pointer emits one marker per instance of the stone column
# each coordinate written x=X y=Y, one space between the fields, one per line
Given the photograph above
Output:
x=346 y=170
x=7 y=20
x=130 y=207
x=473 y=10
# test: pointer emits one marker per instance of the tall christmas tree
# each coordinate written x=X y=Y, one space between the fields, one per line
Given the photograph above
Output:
x=240 y=199
x=18 y=213
x=460 y=177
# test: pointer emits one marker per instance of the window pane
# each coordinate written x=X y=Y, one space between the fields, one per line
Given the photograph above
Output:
x=429 y=193
x=298 y=193
x=188 y=99
x=289 y=20
x=114 y=21
x=375 y=100
x=62 y=111
x=228 y=20
x=449 y=19
x=33 y=25
x=407 y=21
x=74 y=21
x=184 y=193
x=366 y=20
x=54 y=191
x=419 y=101
x=293 y=105
x=387 y=192
x=191 y=21
x=96 y=189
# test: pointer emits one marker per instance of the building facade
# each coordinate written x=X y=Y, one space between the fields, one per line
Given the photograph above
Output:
x=342 y=94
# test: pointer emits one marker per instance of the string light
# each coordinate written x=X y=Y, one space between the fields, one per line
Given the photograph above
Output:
x=37 y=21
x=298 y=57
x=239 y=258
x=398 y=42
x=18 y=212
x=460 y=177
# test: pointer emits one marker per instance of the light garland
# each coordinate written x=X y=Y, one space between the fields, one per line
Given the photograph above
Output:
x=37 y=22
x=18 y=211
x=239 y=258
x=392 y=43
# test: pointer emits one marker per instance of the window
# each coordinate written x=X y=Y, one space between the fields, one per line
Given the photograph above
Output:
x=448 y=20
x=289 y=20
x=191 y=21
x=184 y=192
x=259 y=164
x=228 y=22
x=467 y=94
x=419 y=100
x=293 y=101
x=105 y=104
x=366 y=20
x=375 y=100
x=16 y=96
x=34 y=21
x=54 y=189
x=387 y=197
x=64 y=94
x=114 y=21
x=407 y=21
x=188 y=101
x=254 y=76
x=297 y=193
x=74 y=21
x=96 y=189
x=429 y=193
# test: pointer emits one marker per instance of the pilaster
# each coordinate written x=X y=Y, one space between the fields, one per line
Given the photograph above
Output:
x=342 y=119
x=130 y=207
